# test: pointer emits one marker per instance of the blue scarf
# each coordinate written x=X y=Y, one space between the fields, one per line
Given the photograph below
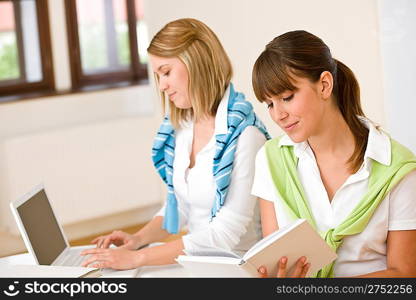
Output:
x=240 y=115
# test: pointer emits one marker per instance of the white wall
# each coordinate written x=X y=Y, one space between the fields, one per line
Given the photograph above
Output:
x=91 y=150
x=398 y=48
x=350 y=29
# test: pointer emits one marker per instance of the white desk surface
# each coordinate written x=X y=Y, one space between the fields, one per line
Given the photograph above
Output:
x=166 y=271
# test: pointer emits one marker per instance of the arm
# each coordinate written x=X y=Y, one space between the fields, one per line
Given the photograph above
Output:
x=269 y=225
x=401 y=238
x=263 y=188
x=268 y=217
x=161 y=255
x=124 y=258
x=226 y=228
x=157 y=255
x=272 y=209
x=151 y=232
x=401 y=255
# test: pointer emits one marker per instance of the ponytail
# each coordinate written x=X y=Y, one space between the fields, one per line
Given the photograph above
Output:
x=347 y=94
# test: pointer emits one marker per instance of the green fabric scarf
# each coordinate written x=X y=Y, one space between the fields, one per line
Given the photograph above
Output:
x=283 y=168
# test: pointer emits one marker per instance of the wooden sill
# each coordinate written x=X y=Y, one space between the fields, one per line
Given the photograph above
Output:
x=86 y=89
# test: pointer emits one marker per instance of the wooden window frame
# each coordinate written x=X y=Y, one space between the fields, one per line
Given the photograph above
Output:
x=136 y=74
x=47 y=84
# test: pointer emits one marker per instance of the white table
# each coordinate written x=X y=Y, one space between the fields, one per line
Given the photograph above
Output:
x=143 y=272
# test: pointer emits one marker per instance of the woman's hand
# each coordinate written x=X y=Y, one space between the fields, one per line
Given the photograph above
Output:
x=301 y=269
x=117 y=258
x=118 y=238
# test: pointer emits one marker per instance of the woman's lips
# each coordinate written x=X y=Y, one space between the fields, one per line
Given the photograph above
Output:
x=171 y=95
x=291 y=126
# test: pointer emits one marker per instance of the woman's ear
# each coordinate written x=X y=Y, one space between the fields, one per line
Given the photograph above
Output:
x=326 y=84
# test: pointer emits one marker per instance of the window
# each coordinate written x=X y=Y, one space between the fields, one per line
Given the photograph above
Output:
x=105 y=40
x=25 y=48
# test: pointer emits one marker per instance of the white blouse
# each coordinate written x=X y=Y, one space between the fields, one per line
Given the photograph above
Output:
x=361 y=253
x=236 y=226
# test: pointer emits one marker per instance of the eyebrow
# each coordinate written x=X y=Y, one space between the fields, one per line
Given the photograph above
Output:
x=160 y=67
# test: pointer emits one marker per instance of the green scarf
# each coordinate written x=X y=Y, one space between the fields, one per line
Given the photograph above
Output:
x=283 y=168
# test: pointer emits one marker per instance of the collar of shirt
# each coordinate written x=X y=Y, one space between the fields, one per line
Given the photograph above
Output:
x=221 y=118
x=378 y=145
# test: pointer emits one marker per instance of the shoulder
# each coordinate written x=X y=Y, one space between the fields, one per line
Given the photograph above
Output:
x=406 y=184
x=275 y=141
x=249 y=142
x=402 y=215
x=261 y=159
x=251 y=134
x=275 y=144
x=400 y=152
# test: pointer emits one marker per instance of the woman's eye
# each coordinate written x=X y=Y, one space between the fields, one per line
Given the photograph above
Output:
x=270 y=105
x=166 y=73
x=288 y=98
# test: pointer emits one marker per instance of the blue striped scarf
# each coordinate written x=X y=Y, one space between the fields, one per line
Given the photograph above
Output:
x=240 y=115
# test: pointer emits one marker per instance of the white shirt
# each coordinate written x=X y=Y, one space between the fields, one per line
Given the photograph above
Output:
x=236 y=226
x=361 y=253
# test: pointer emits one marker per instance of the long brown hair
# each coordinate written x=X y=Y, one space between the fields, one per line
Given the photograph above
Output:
x=303 y=54
x=208 y=65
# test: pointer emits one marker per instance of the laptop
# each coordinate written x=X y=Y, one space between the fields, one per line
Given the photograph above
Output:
x=44 y=237
x=41 y=231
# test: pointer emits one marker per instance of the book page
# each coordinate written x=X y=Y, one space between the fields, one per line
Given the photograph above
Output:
x=211 y=259
x=218 y=252
x=270 y=238
x=211 y=266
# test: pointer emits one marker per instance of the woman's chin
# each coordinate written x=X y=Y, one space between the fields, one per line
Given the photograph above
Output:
x=297 y=138
x=181 y=105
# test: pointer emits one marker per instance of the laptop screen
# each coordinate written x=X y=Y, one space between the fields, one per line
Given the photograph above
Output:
x=42 y=228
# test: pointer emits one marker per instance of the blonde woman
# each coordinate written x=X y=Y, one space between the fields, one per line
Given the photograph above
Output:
x=204 y=151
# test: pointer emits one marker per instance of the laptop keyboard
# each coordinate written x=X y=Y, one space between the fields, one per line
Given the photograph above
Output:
x=73 y=259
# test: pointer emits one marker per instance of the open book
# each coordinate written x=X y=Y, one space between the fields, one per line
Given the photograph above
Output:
x=293 y=241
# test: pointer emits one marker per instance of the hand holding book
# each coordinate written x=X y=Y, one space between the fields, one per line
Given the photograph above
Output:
x=301 y=269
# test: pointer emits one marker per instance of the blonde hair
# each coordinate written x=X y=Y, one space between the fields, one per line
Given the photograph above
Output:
x=209 y=67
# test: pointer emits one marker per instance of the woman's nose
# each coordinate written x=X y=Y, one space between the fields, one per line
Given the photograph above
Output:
x=163 y=85
x=279 y=113
x=282 y=115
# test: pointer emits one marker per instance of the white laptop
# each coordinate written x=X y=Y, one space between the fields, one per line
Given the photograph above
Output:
x=44 y=237
x=42 y=232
